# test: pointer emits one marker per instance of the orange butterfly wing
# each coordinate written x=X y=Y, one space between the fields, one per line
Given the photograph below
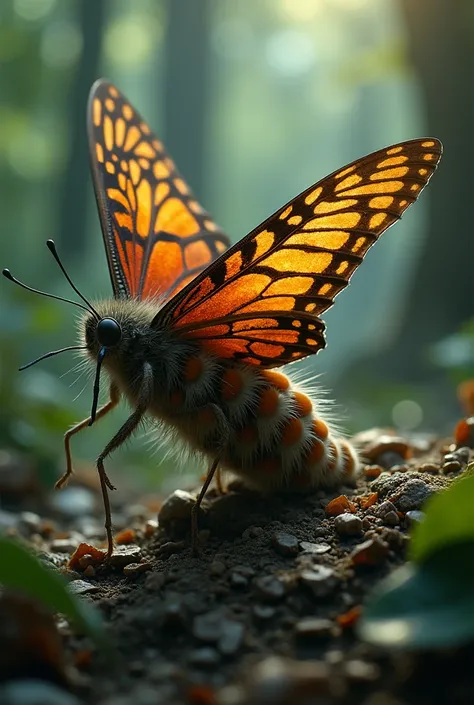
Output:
x=157 y=236
x=260 y=302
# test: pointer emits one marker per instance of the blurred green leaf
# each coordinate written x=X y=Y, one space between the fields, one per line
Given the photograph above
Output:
x=449 y=520
x=424 y=606
x=20 y=570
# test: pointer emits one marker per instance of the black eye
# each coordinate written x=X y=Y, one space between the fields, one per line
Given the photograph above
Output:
x=109 y=332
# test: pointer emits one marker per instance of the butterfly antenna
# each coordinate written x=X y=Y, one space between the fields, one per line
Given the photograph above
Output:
x=6 y=273
x=51 y=354
x=52 y=248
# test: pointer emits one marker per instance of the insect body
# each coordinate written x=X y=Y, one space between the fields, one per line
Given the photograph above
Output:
x=195 y=329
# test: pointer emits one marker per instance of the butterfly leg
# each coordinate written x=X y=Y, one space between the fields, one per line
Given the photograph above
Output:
x=219 y=485
x=224 y=437
x=114 y=400
x=130 y=425
x=197 y=504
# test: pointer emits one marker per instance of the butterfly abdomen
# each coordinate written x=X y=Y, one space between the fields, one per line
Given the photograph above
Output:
x=261 y=426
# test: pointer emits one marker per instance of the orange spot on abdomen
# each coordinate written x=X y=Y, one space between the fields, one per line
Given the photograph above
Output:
x=268 y=404
x=276 y=379
x=348 y=458
x=193 y=369
x=269 y=466
x=316 y=452
x=333 y=455
x=247 y=435
x=232 y=384
x=303 y=404
x=206 y=417
x=292 y=432
x=320 y=429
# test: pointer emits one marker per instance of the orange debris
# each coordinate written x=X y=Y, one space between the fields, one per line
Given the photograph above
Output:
x=368 y=500
x=372 y=471
x=85 y=549
x=126 y=536
x=340 y=505
x=349 y=618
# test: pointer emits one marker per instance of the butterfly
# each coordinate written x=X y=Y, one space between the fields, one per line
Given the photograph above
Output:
x=196 y=327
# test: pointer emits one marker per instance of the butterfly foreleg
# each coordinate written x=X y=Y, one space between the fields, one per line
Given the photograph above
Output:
x=112 y=403
x=128 y=428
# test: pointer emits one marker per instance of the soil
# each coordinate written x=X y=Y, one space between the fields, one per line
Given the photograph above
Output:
x=267 y=613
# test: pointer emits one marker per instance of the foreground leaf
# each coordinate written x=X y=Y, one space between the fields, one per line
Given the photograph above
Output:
x=430 y=605
x=20 y=570
x=449 y=520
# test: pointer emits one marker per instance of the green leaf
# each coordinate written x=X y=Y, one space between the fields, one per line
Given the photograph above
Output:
x=424 y=606
x=20 y=570
x=449 y=520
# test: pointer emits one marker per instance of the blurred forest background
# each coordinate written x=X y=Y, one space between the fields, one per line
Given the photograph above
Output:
x=255 y=100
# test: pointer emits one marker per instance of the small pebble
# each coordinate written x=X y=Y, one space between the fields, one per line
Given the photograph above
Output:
x=432 y=468
x=320 y=580
x=269 y=588
x=385 y=508
x=391 y=519
x=205 y=657
x=74 y=501
x=348 y=525
x=315 y=627
x=151 y=526
x=263 y=612
x=412 y=495
x=133 y=568
x=123 y=555
x=252 y=532
x=80 y=587
x=390 y=459
x=237 y=580
x=30 y=521
x=371 y=472
x=89 y=572
x=314 y=548
x=451 y=466
x=217 y=568
x=360 y=671
x=177 y=506
x=463 y=454
x=63 y=545
x=285 y=544
x=415 y=516
x=35 y=692
x=208 y=627
x=370 y=552
x=231 y=638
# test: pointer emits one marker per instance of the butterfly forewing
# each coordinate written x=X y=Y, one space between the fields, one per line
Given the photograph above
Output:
x=260 y=302
x=157 y=236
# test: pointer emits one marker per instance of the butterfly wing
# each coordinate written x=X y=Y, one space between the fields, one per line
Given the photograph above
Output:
x=260 y=302
x=157 y=236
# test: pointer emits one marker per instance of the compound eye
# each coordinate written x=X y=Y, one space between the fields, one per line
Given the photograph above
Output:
x=109 y=332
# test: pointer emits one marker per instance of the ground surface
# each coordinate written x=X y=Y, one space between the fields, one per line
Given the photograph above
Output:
x=266 y=614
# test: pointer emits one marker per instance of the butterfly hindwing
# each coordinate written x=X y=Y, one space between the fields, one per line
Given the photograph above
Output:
x=157 y=236
x=260 y=302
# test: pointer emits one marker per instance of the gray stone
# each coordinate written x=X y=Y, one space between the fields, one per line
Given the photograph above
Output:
x=177 y=506
x=412 y=495
x=285 y=544
x=384 y=508
x=320 y=580
x=205 y=657
x=208 y=627
x=80 y=587
x=315 y=548
x=231 y=637
x=314 y=627
x=391 y=519
x=270 y=588
x=123 y=555
x=35 y=692
x=348 y=525
x=415 y=516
